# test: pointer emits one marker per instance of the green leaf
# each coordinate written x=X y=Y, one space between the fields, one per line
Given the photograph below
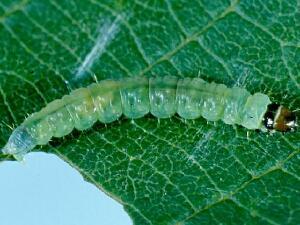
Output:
x=170 y=171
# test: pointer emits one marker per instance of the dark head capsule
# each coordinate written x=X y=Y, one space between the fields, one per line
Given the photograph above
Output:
x=280 y=118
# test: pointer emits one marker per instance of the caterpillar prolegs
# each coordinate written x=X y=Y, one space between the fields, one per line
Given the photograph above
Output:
x=134 y=97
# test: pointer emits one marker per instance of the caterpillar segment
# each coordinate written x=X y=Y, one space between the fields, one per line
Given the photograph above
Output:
x=135 y=97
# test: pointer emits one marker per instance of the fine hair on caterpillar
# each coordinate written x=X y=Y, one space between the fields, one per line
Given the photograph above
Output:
x=135 y=97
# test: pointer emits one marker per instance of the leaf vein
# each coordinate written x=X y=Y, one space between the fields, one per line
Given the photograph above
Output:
x=91 y=179
x=89 y=36
x=184 y=152
x=30 y=52
x=7 y=105
x=239 y=189
x=128 y=26
x=191 y=38
x=155 y=170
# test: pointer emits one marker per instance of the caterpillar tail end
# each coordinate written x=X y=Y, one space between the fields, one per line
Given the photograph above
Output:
x=18 y=156
x=19 y=143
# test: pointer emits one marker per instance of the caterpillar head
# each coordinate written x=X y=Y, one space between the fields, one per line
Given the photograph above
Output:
x=280 y=118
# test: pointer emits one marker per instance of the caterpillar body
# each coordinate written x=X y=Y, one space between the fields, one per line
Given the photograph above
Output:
x=134 y=97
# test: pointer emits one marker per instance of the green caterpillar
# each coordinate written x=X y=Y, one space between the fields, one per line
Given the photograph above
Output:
x=134 y=97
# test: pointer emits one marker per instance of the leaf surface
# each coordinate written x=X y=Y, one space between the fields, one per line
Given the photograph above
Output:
x=170 y=171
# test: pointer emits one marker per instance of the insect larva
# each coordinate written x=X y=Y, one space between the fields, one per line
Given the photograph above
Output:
x=134 y=97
